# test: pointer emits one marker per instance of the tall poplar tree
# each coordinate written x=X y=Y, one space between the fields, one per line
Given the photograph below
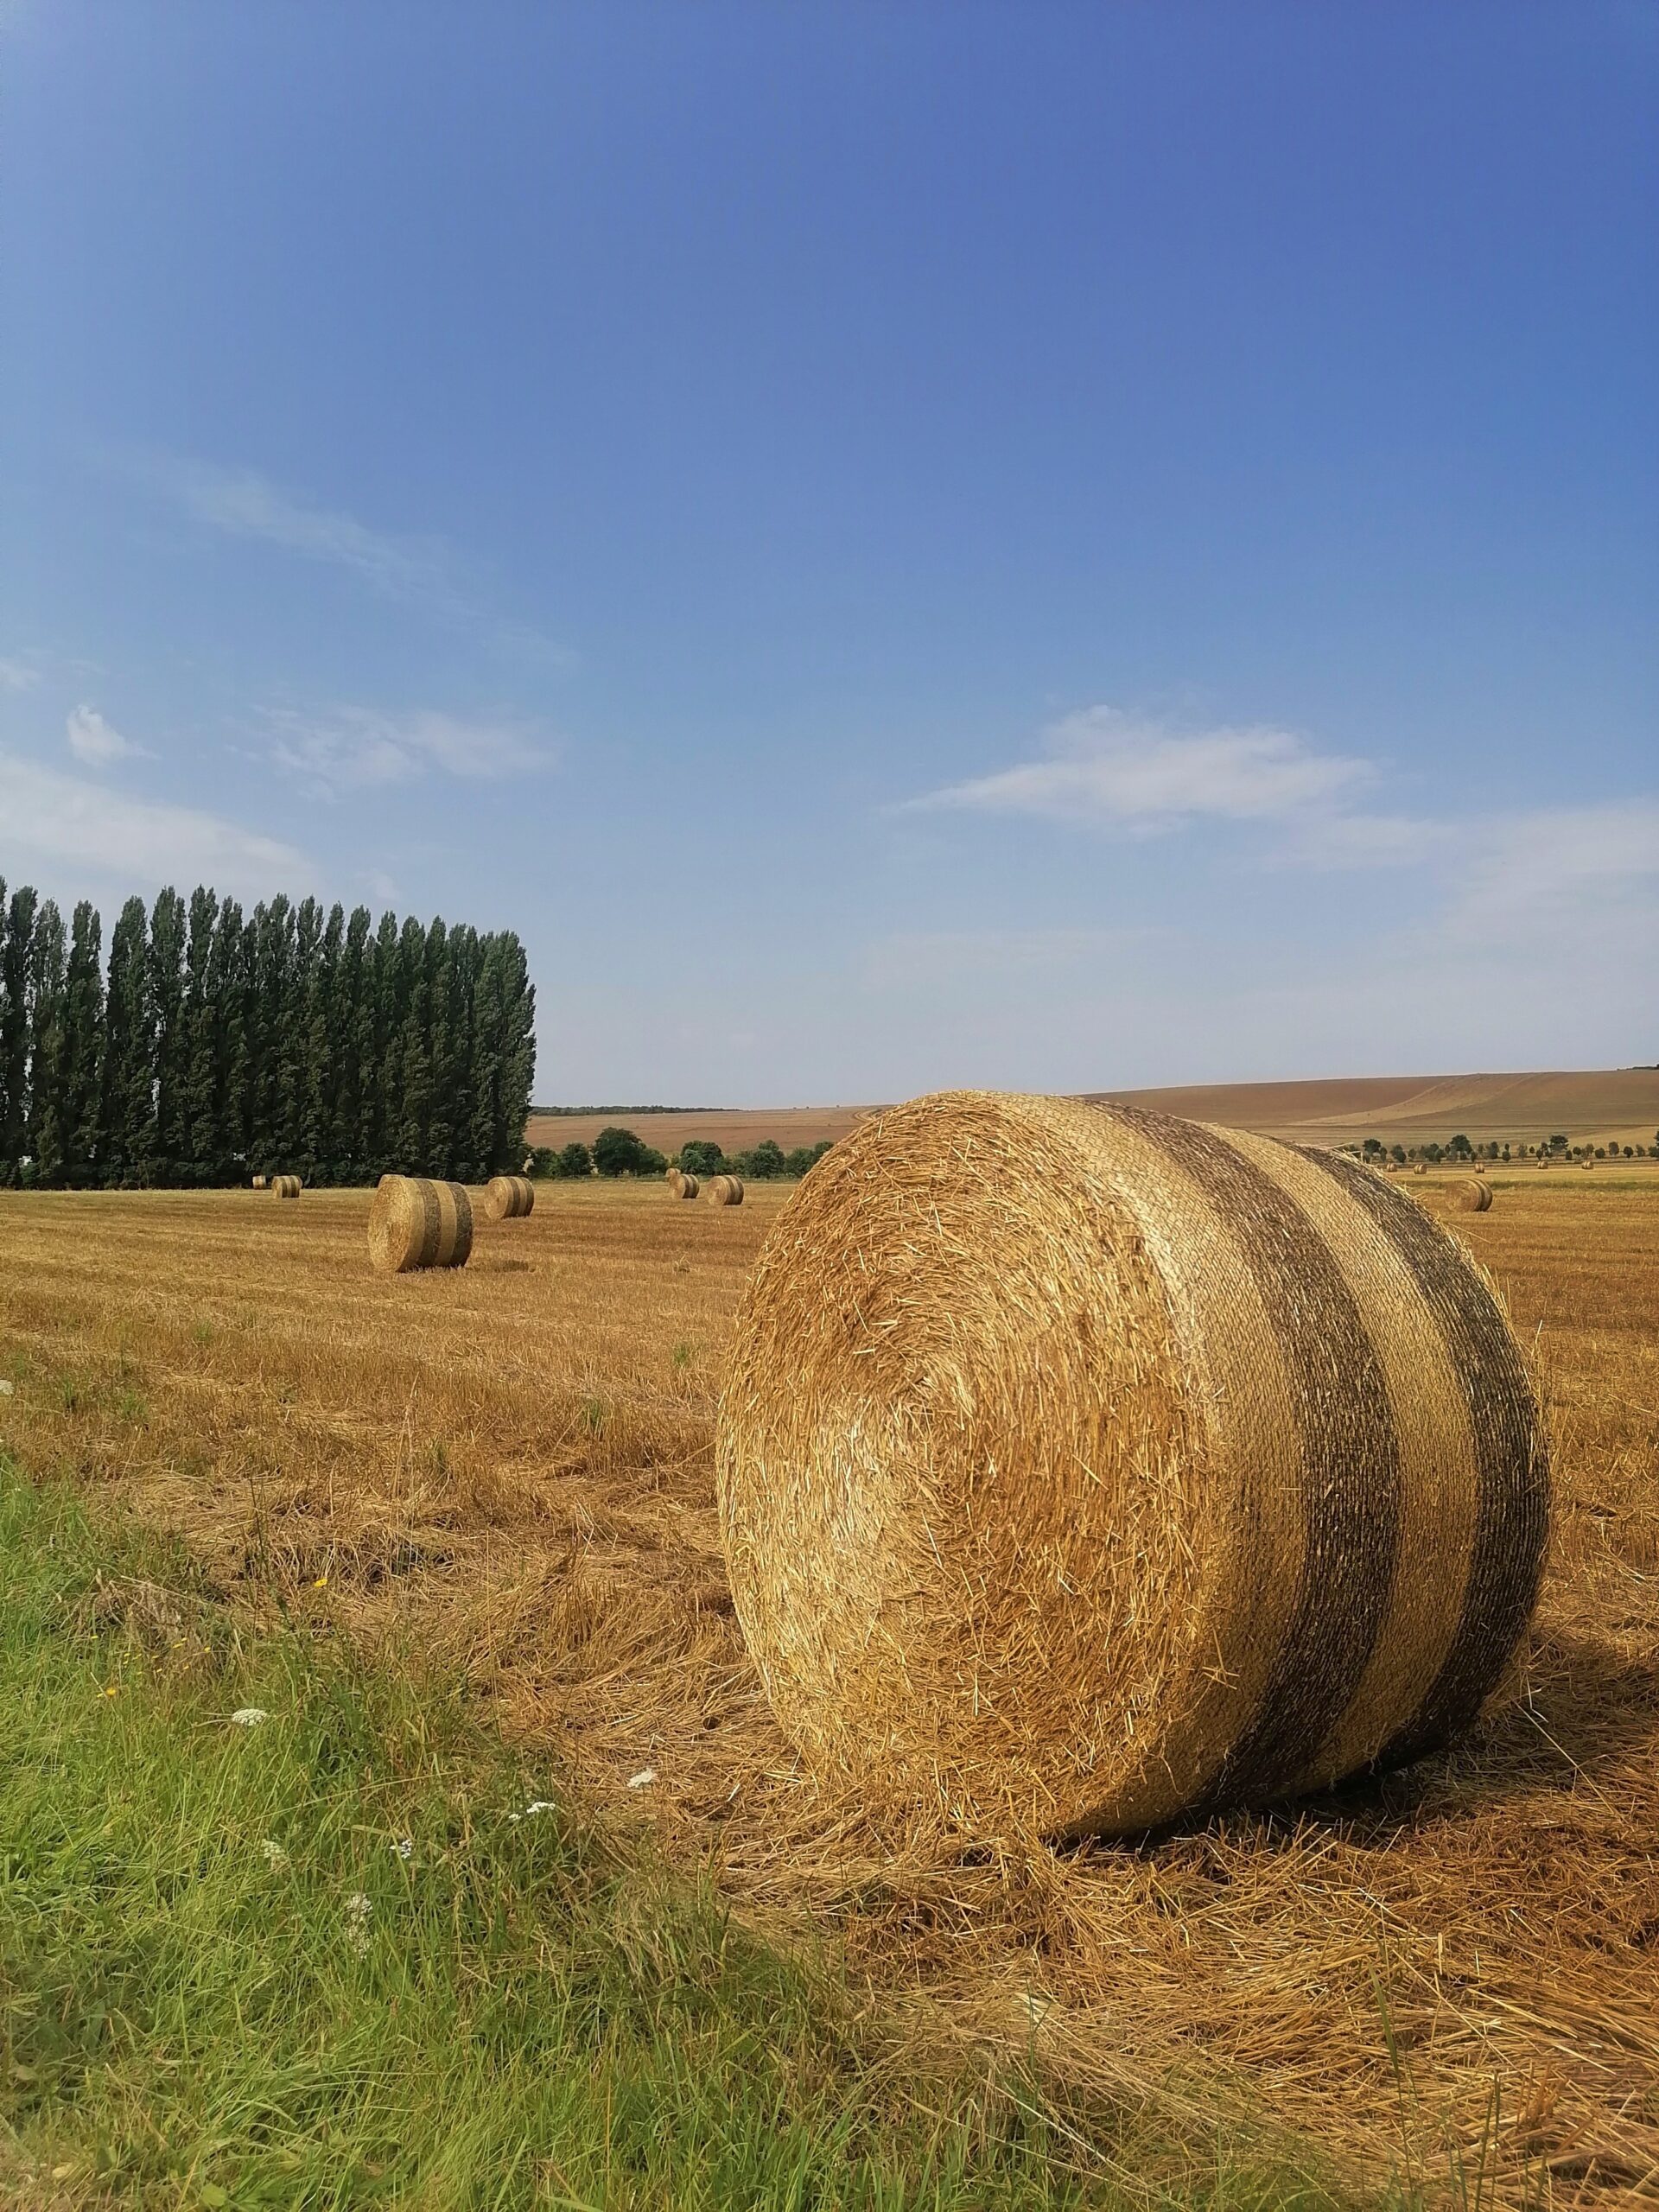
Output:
x=201 y=1142
x=165 y=1153
x=126 y=1102
x=15 y=968
x=83 y=1045
x=45 y=1137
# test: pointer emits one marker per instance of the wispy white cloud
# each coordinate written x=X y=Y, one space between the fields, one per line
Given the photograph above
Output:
x=354 y=748
x=1560 y=875
x=17 y=676
x=97 y=833
x=241 y=503
x=93 y=740
x=1104 y=766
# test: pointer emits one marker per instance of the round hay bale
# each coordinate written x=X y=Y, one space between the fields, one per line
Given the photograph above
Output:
x=1586 y=1164
x=259 y=1182
x=287 y=1186
x=508 y=1198
x=1420 y=1167
x=414 y=1222
x=687 y=1187
x=1542 y=1162
x=673 y=1177
x=726 y=1191
x=1081 y=1469
x=1475 y=1198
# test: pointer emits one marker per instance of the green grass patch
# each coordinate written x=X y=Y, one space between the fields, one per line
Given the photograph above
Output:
x=348 y=1955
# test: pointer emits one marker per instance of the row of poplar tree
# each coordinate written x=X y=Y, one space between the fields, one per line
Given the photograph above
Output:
x=213 y=1044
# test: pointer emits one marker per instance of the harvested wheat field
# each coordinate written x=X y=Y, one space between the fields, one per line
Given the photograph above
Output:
x=1453 y=1974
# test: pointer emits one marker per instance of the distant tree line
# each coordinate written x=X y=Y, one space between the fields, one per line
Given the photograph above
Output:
x=1458 y=1149
x=623 y=1151
x=212 y=1044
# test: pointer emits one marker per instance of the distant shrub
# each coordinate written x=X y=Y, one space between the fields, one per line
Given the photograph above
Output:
x=574 y=1159
x=702 y=1157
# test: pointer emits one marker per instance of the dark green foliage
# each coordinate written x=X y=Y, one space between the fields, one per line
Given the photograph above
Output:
x=165 y=1151
x=765 y=1164
x=804 y=1158
x=15 y=943
x=44 y=1130
x=290 y=1039
x=574 y=1160
x=701 y=1158
x=619 y=1152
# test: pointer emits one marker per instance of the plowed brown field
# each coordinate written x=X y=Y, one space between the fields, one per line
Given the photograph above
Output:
x=510 y=1468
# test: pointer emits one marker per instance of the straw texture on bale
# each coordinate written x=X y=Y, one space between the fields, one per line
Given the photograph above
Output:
x=508 y=1198
x=1475 y=1198
x=726 y=1191
x=414 y=1222
x=287 y=1186
x=258 y=1182
x=1081 y=1469
x=673 y=1178
x=687 y=1187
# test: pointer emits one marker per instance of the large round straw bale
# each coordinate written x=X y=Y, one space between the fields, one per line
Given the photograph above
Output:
x=414 y=1222
x=508 y=1198
x=687 y=1187
x=287 y=1186
x=1080 y=1469
x=1475 y=1198
x=726 y=1191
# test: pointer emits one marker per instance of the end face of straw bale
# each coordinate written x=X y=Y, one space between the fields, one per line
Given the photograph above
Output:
x=673 y=1178
x=508 y=1198
x=416 y=1224
x=726 y=1191
x=1080 y=1469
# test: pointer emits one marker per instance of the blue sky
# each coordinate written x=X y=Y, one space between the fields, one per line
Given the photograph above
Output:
x=1043 y=545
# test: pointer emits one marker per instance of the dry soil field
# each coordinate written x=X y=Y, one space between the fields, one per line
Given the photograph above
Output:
x=1594 y=1106
x=510 y=1468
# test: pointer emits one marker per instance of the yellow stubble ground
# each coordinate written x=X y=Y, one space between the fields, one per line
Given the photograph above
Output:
x=509 y=1470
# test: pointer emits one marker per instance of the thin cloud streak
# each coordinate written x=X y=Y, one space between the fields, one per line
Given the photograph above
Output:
x=359 y=749
x=241 y=503
x=1104 y=766
x=95 y=833
x=17 y=676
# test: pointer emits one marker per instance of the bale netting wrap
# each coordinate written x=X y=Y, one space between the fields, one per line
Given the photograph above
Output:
x=414 y=1222
x=1082 y=1469
x=1475 y=1198
x=508 y=1198
x=726 y=1191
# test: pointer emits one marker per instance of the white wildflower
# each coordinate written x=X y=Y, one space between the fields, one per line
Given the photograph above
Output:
x=358 y=1906
x=541 y=1805
x=404 y=1846
x=644 y=1779
x=357 y=1909
x=273 y=1853
x=5 y=1389
x=249 y=1716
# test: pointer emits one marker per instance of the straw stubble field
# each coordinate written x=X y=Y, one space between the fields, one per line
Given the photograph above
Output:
x=510 y=1469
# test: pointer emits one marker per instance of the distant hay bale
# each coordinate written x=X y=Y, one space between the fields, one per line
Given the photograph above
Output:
x=414 y=1222
x=687 y=1187
x=1420 y=1167
x=1080 y=1469
x=1586 y=1164
x=287 y=1186
x=1543 y=1160
x=508 y=1198
x=673 y=1177
x=258 y=1182
x=726 y=1191
x=1475 y=1198
x=1480 y=1167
